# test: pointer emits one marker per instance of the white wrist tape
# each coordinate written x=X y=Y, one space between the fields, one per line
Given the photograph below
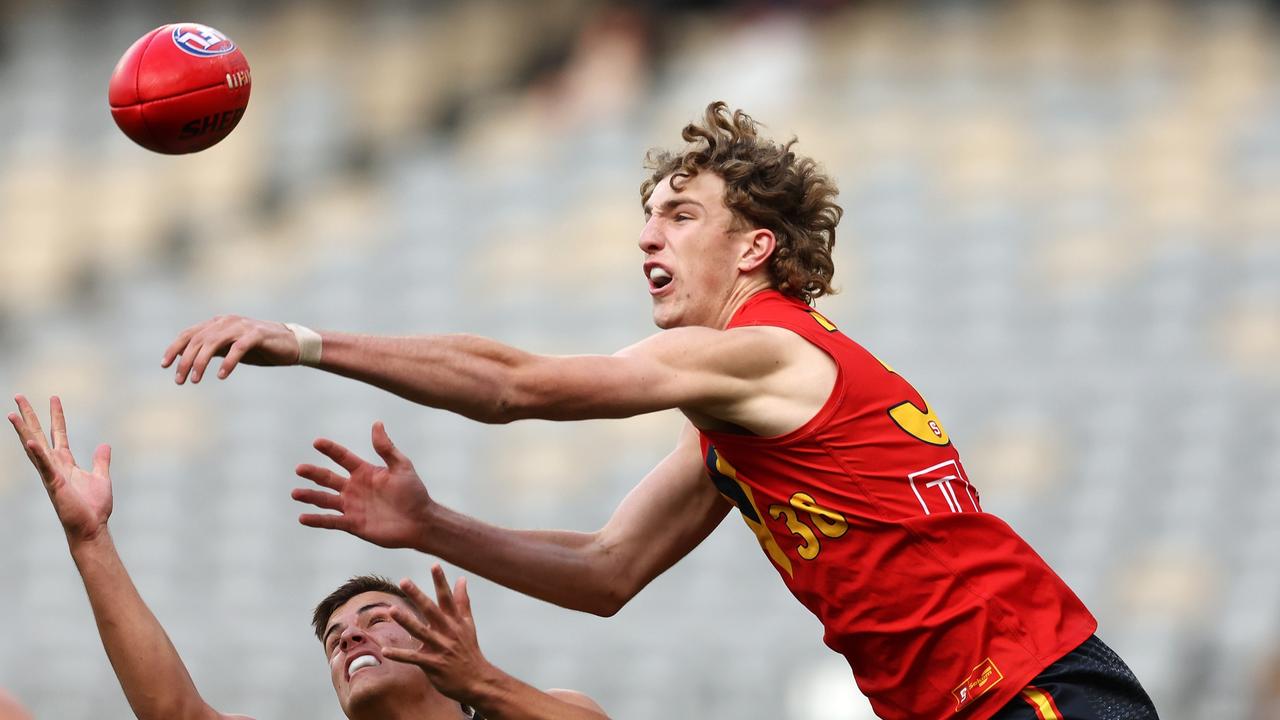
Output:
x=309 y=344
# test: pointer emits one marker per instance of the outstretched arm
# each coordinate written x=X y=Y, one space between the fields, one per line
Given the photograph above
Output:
x=450 y=655
x=151 y=673
x=713 y=372
x=668 y=514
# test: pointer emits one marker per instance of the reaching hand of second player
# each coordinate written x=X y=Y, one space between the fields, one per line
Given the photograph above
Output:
x=450 y=653
x=385 y=505
x=81 y=498
x=256 y=342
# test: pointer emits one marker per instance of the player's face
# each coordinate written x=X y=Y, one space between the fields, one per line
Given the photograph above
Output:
x=692 y=252
x=353 y=642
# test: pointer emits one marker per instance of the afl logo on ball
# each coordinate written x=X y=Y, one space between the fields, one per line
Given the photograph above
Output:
x=201 y=40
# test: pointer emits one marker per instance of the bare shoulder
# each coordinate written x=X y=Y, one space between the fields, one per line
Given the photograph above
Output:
x=573 y=697
x=776 y=343
x=743 y=351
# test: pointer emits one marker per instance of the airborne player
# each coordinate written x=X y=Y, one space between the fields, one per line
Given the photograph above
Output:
x=842 y=471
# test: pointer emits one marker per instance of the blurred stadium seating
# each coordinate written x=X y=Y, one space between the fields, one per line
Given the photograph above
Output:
x=1062 y=223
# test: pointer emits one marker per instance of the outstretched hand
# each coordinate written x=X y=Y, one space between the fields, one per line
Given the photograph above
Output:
x=81 y=498
x=236 y=339
x=450 y=653
x=385 y=505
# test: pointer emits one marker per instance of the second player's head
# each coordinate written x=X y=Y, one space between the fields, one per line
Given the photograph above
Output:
x=354 y=623
x=731 y=213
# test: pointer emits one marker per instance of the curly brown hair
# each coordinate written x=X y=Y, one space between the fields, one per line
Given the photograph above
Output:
x=766 y=186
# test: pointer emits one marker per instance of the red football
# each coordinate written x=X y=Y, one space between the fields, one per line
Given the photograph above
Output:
x=180 y=88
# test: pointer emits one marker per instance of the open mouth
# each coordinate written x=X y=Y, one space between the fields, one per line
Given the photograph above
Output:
x=659 y=278
x=360 y=663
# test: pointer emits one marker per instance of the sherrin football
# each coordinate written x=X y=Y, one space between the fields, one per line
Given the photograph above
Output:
x=180 y=88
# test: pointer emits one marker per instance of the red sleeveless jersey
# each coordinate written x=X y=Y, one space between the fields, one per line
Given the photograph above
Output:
x=941 y=609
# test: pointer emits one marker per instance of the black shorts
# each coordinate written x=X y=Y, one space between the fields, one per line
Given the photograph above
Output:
x=1088 y=683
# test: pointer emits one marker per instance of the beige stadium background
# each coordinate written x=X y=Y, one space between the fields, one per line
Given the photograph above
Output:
x=1063 y=225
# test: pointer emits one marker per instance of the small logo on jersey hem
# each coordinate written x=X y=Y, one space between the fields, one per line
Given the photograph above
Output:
x=984 y=677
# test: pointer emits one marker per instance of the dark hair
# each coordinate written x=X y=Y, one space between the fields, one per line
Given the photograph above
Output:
x=351 y=588
x=767 y=186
